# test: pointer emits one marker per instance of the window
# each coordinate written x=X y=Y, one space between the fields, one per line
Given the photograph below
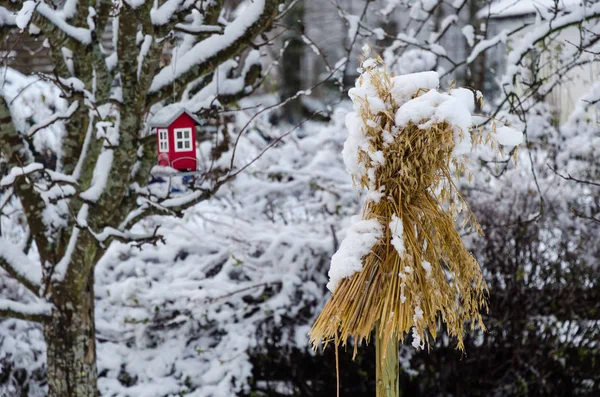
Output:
x=163 y=141
x=183 y=139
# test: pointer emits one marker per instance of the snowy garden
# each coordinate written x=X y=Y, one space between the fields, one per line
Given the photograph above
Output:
x=257 y=198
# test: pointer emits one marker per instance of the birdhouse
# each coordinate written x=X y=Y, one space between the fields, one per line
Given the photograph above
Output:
x=175 y=130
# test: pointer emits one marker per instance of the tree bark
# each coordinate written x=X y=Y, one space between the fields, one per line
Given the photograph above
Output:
x=387 y=367
x=70 y=339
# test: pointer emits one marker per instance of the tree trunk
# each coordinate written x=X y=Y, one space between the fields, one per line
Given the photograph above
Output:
x=291 y=65
x=387 y=367
x=70 y=339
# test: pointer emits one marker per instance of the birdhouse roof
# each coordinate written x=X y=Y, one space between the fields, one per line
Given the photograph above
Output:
x=167 y=115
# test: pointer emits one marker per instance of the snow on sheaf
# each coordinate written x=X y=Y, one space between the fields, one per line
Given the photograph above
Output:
x=356 y=141
x=397 y=233
x=435 y=107
x=466 y=96
x=359 y=240
x=428 y=108
x=427 y=267
x=375 y=195
x=417 y=343
x=364 y=90
x=418 y=314
x=406 y=86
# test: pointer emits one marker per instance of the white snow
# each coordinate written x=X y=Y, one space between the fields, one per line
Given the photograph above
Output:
x=483 y=45
x=416 y=343
x=507 y=136
x=406 y=86
x=436 y=107
x=353 y=22
x=579 y=113
x=61 y=268
x=25 y=14
x=50 y=120
x=81 y=34
x=7 y=18
x=143 y=52
x=525 y=44
x=362 y=235
x=163 y=14
x=515 y=8
x=209 y=47
x=397 y=233
x=20 y=262
x=182 y=200
x=356 y=141
x=135 y=3
x=427 y=267
x=469 y=32
x=38 y=308
x=466 y=96
x=100 y=176
x=418 y=314
x=19 y=171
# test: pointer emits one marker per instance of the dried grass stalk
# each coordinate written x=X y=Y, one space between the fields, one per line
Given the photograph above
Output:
x=435 y=279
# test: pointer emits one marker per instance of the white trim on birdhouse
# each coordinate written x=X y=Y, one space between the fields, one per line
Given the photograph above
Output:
x=163 y=140
x=183 y=139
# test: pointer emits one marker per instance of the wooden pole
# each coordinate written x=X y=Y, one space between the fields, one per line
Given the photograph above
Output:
x=387 y=367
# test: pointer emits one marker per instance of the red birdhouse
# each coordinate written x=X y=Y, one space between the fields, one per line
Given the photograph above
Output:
x=175 y=130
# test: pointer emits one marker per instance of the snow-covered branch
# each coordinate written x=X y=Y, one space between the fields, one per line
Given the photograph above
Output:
x=37 y=312
x=109 y=234
x=58 y=23
x=52 y=119
x=17 y=155
x=18 y=171
x=590 y=98
x=206 y=55
x=577 y=15
x=19 y=266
